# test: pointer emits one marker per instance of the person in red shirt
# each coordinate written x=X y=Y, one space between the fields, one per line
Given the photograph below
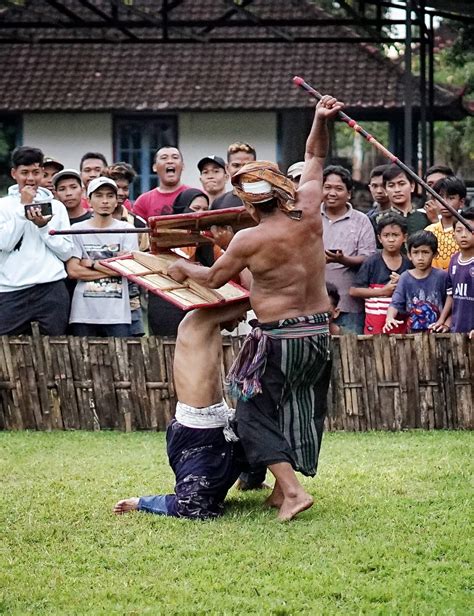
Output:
x=378 y=276
x=168 y=167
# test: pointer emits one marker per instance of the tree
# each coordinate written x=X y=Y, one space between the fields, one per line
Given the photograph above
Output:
x=454 y=66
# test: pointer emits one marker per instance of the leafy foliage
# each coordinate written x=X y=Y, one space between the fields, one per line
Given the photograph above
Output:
x=454 y=66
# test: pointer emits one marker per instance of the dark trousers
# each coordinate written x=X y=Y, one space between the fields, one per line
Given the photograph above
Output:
x=46 y=303
x=100 y=330
x=205 y=466
x=163 y=317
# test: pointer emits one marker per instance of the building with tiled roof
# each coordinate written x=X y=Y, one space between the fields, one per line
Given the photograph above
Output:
x=133 y=90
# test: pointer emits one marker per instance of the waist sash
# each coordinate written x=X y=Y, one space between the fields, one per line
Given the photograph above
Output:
x=244 y=378
x=214 y=416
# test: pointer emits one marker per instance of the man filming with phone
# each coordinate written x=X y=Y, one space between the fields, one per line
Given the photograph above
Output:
x=32 y=271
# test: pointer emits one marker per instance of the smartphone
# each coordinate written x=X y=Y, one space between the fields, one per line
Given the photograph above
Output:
x=334 y=250
x=46 y=207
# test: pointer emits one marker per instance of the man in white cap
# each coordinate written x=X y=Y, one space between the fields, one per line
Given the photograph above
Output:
x=100 y=304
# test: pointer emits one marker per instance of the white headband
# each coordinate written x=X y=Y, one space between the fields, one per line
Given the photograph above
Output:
x=257 y=188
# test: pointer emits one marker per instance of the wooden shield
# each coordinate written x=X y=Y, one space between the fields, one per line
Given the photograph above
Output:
x=149 y=271
x=193 y=228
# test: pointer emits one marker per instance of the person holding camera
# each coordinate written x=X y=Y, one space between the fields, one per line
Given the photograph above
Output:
x=32 y=269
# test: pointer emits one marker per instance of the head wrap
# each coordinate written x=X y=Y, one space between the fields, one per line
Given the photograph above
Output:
x=183 y=200
x=260 y=181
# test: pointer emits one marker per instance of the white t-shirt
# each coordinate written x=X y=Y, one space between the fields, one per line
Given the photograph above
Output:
x=104 y=301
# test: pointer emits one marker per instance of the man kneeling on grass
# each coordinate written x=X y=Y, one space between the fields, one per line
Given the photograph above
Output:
x=202 y=448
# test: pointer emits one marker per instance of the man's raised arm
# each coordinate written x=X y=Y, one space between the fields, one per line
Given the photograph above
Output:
x=317 y=144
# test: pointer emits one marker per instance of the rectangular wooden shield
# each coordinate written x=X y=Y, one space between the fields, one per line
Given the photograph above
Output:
x=149 y=271
x=193 y=228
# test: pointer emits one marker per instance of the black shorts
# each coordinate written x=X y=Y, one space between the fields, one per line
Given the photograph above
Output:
x=46 y=303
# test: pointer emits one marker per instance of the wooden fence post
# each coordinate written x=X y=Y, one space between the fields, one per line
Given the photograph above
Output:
x=378 y=382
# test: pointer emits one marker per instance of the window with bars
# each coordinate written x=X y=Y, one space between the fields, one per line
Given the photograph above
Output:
x=136 y=140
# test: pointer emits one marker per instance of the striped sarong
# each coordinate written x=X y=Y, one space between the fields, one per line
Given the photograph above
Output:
x=281 y=377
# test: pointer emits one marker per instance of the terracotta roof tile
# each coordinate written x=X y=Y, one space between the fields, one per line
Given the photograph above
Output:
x=201 y=76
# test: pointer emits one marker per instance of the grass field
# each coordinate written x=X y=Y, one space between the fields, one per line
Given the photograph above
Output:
x=390 y=532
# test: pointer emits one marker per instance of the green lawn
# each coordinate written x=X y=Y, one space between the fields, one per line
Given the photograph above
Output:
x=390 y=532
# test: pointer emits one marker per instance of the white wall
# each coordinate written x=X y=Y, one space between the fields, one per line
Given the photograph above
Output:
x=67 y=136
x=203 y=134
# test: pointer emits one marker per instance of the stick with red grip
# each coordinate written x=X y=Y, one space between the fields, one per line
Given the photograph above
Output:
x=299 y=81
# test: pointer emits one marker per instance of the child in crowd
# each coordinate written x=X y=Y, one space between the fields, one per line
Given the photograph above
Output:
x=453 y=190
x=378 y=276
x=460 y=300
x=420 y=292
x=334 y=310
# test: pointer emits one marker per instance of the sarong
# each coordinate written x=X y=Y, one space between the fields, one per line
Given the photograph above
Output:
x=281 y=377
x=205 y=459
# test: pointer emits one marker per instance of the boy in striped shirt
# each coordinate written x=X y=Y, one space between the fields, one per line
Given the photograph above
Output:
x=377 y=277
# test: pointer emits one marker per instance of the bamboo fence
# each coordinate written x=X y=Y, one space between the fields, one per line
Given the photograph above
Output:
x=378 y=382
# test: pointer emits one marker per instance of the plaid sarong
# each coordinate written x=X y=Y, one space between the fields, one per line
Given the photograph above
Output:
x=281 y=377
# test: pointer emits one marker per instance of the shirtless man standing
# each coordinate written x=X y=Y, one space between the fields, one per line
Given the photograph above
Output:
x=282 y=374
x=202 y=448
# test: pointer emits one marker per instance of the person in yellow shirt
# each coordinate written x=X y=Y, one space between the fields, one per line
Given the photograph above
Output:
x=453 y=190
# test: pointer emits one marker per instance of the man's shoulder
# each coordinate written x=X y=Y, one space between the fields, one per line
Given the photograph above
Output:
x=434 y=227
x=376 y=257
x=81 y=218
x=58 y=206
x=8 y=200
x=146 y=196
x=419 y=214
x=455 y=259
x=227 y=200
x=121 y=224
x=247 y=240
x=308 y=193
x=85 y=224
x=406 y=278
x=360 y=217
x=438 y=273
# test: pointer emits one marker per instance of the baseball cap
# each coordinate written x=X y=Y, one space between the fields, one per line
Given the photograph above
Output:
x=66 y=173
x=211 y=159
x=98 y=182
x=295 y=170
x=49 y=160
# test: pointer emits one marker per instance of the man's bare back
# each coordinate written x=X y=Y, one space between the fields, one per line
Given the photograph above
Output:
x=287 y=262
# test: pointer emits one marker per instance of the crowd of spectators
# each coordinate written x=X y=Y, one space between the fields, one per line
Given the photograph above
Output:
x=399 y=268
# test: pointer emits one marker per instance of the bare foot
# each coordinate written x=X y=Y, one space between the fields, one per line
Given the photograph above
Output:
x=126 y=505
x=293 y=505
x=244 y=487
x=276 y=497
x=271 y=501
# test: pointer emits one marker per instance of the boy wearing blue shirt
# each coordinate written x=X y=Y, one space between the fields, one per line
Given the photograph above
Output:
x=420 y=292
